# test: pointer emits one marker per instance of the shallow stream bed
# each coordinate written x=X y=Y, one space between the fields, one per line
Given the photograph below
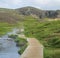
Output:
x=8 y=48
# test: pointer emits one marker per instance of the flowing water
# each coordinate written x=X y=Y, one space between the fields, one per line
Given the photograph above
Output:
x=8 y=48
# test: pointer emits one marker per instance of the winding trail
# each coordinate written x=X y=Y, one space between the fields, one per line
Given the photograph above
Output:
x=34 y=49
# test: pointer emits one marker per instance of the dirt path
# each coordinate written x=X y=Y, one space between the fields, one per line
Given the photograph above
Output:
x=34 y=49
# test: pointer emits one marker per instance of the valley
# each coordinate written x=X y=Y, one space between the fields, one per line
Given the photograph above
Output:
x=44 y=25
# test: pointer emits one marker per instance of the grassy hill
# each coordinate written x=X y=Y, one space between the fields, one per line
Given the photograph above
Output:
x=9 y=15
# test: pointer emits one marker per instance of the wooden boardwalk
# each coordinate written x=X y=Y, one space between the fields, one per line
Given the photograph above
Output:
x=34 y=49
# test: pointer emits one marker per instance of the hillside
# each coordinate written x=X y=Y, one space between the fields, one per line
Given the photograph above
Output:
x=16 y=15
x=9 y=15
x=38 y=12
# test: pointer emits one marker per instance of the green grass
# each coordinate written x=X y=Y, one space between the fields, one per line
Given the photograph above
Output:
x=51 y=53
x=6 y=27
x=22 y=43
x=47 y=32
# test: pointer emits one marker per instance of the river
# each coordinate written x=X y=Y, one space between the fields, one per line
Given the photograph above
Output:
x=8 y=48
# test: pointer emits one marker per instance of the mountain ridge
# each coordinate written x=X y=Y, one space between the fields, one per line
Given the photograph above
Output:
x=14 y=15
x=38 y=12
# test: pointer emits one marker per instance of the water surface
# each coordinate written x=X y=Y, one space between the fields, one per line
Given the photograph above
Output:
x=8 y=47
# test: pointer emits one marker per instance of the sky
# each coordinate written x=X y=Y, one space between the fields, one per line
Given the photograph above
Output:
x=42 y=4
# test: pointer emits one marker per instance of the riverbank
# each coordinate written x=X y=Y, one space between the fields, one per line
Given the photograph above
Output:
x=6 y=27
x=21 y=42
x=8 y=46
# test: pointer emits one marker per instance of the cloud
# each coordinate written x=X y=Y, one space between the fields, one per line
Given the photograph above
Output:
x=12 y=1
x=43 y=4
x=3 y=5
x=48 y=4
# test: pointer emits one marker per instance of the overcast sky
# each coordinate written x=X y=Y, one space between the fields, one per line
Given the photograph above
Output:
x=42 y=4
